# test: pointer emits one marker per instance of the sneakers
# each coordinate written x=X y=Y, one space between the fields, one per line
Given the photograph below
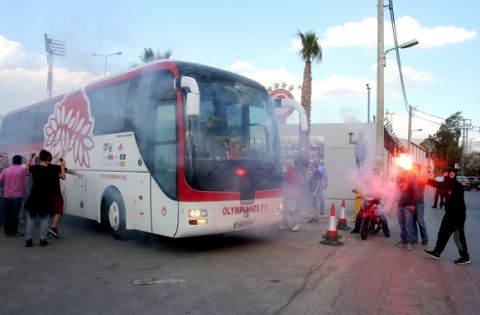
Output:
x=409 y=247
x=354 y=231
x=281 y=227
x=53 y=232
x=401 y=244
x=387 y=235
x=295 y=228
x=29 y=243
x=43 y=243
x=434 y=206
x=313 y=220
x=462 y=261
x=433 y=254
x=424 y=242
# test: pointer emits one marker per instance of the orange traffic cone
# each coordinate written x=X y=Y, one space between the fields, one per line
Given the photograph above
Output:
x=342 y=221
x=331 y=238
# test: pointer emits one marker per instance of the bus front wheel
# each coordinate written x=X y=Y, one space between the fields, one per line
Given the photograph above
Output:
x=114 y=213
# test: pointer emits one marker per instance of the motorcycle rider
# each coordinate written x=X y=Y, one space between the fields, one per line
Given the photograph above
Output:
x=379 y=212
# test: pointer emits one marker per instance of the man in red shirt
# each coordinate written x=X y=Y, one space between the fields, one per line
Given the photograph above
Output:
x=14 y=190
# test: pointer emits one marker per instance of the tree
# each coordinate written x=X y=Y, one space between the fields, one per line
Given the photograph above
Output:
x=443 y=146
x=471 y=163
x=149 y=55
x=310 y=51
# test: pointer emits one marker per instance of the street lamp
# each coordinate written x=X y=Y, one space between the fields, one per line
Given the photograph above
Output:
x=408 y=44
x=106 y=56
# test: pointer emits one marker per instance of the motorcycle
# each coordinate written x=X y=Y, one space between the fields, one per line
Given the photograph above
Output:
x=371 y=222
x=370 y=219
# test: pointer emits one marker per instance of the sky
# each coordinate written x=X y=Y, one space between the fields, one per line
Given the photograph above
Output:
x=258 y=39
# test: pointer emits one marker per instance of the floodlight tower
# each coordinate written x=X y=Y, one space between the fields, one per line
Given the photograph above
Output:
x=53 y=47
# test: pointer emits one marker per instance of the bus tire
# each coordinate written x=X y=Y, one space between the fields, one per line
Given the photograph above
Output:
x=113 y=212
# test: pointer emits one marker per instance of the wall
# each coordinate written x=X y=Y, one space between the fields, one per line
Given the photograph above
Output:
x=338 y=155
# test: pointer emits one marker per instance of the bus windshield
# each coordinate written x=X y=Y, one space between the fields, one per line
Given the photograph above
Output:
x=235 y=130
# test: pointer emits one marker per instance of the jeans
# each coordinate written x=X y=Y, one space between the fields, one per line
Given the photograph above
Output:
x=12 y=207
x=359 y=162
x=31 y=226
x=405 y=221
x=318 y=203
x=289 y=213
x=439 y=194
x=451 y=225
x=420 y=220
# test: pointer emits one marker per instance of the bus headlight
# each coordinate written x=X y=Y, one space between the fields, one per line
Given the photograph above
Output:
x=197 y=213
x=198 y=216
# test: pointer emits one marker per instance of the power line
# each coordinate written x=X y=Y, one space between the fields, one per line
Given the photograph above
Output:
x=430 y=114
x=402 y=82
x=399 y=62
x=428 y=120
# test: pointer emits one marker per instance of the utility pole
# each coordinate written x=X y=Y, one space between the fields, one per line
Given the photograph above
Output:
x=409 y=143
x=368 y=111
x=380 y=132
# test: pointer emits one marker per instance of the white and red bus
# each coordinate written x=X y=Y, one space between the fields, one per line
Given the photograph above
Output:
x=171 y=148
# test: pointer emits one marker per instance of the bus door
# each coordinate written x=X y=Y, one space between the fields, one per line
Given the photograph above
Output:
x=164 y=158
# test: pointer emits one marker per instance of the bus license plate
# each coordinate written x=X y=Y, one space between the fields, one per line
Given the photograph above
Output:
x=242 y=225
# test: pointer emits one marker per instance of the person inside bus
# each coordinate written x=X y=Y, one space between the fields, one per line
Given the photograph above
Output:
x=216 y=128
x=233 y=147
x=215 y=125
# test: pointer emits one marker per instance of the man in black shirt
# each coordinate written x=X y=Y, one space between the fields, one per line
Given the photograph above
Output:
x=454 y=219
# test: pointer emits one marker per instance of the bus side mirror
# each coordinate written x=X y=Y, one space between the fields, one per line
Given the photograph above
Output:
x=189 y=84
x=301 y=112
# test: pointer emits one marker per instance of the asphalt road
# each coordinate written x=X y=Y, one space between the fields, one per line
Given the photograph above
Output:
x=266 y=272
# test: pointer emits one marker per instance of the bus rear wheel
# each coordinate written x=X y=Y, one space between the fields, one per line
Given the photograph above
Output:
x=113 y=209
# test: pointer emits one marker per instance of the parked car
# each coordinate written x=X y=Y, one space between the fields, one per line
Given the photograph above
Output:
x=465 y=181
x=475 y=181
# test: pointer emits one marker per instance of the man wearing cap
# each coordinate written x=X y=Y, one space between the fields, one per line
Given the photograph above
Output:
x=453 y=220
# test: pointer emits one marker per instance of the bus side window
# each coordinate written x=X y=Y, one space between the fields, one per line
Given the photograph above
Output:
x=165 y=149
x=139 y=110
x=109 y=107
x=10 y=131
x=41 y=120
x=163 y=100
x=26 y=128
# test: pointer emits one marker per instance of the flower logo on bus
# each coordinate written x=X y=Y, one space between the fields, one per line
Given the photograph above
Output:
x=70 y=129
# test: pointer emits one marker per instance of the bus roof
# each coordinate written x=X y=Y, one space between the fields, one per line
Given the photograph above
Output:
x=178 y=67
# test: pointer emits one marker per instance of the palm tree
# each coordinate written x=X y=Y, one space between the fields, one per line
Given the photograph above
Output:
x=310 y=51
x=149 y=55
